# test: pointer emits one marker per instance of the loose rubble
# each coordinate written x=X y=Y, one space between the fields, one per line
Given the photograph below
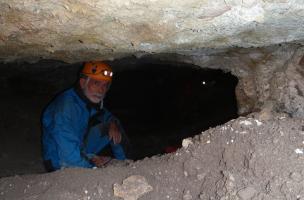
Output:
x=132 y=188
x=246 y=158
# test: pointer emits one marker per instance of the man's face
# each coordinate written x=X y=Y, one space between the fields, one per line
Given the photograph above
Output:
x=94 y=90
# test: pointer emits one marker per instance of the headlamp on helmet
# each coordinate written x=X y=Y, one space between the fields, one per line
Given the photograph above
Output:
x=97 y=70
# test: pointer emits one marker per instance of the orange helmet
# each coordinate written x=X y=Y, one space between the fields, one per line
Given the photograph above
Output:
x=97 y=70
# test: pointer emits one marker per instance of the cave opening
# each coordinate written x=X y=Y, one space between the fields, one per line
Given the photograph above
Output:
x=158 y=104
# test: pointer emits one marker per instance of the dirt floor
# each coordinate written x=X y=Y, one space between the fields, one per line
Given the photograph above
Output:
x=246 y=158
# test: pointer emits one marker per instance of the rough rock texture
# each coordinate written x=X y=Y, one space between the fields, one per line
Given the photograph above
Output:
x=247 y=158
x=274 y=81
x=81 y=30
x=132 y=188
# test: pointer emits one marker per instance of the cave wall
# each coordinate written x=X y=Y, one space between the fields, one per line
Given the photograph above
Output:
x=292 y=83
x=270 y=79
x=275 y=82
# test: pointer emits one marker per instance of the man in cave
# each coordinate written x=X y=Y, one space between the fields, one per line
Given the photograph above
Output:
x=76 y=126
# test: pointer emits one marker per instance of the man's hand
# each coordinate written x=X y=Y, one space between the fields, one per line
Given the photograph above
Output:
x=100 y=161
x=114 y=133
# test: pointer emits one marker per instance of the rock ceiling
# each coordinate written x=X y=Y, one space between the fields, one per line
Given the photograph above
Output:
x=74 y=30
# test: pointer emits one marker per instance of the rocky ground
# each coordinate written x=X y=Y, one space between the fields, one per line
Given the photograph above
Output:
x=255 y=157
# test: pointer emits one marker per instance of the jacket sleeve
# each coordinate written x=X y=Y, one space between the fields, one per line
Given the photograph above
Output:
x=117 y=149
x=108 y=116
x=67 y=139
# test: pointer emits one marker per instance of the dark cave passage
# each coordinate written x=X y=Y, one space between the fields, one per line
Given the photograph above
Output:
x=159 y=104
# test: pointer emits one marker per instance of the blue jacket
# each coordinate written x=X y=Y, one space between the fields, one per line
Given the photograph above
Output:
x=64 y=126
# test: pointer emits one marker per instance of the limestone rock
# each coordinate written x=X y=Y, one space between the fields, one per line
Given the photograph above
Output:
x=83 y=30
x=132 y=188
x=186 y=142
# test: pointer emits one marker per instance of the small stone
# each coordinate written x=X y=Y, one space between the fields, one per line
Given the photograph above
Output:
x=296 y=176
x=246 y=122
x=185 y=173
x=258 y=122
x=100 y=190
x=132 y=188
x=187 y=195
x=247 y=193
x=202 y=196
x=299 y=151
x=201 y=176
x=186 y=142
